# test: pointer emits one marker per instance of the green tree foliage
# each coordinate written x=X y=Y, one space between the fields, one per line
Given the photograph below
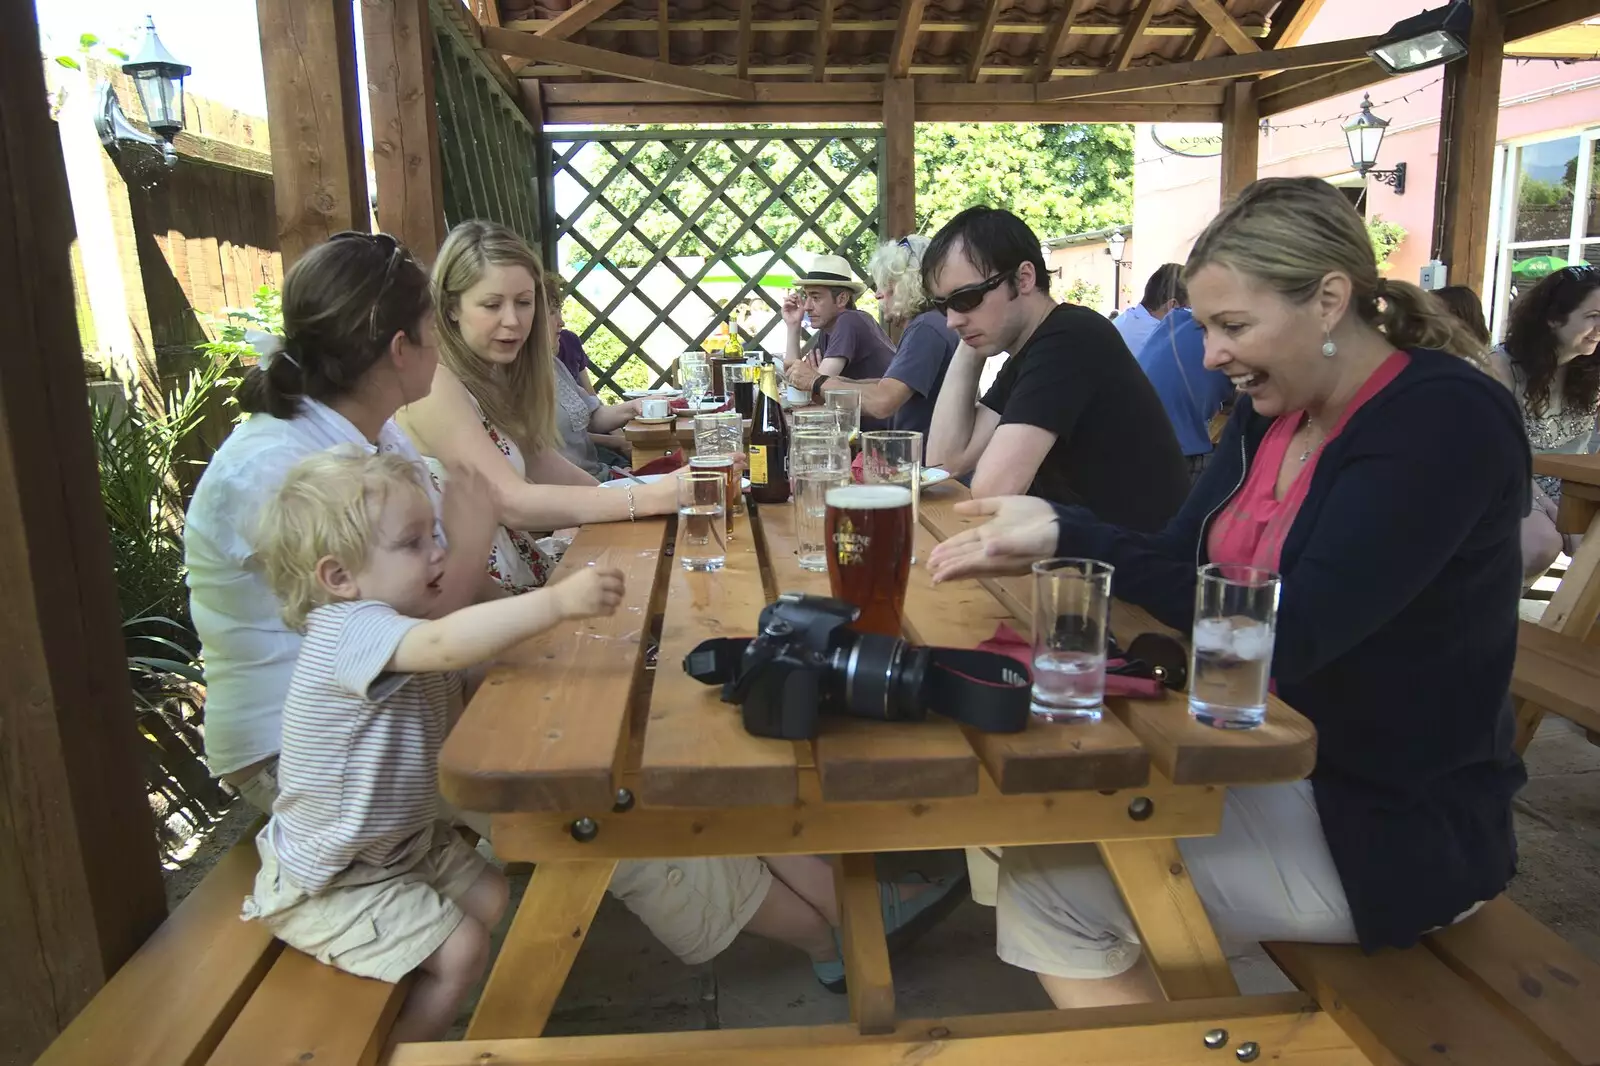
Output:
x=1060 y=178
x=1385 y=237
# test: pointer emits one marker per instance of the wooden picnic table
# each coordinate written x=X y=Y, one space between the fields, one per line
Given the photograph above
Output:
x=1553 y=672
x=592 y=745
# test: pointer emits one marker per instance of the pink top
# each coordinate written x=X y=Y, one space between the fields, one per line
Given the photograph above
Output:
x=1251 y=529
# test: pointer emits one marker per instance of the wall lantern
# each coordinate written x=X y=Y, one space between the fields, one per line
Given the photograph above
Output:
x=159 y=80
x=1364 y=135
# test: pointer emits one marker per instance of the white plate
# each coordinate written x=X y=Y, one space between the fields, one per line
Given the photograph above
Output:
x=636 y=394
x=650 y=479
x=663 y=420
x=932 y=475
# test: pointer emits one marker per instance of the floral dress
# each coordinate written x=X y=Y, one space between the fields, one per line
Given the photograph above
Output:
x=516 y=562
x=1559 y=429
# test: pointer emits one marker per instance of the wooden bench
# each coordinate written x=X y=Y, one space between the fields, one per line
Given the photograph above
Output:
x=1558 y=673
x=208 y=989
x=1498 y=989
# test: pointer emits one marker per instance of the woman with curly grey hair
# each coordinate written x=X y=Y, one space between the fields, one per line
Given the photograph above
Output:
x=905 y=395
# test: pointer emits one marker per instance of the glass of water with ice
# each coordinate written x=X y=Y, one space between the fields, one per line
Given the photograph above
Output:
x=1235 y=620
x=1071 y=598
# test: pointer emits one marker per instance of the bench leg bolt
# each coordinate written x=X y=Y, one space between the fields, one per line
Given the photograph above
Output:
x=1249 y=1051
x=624 y=801
x=585 y=830
x=1141 y=808
x=1216 y=1039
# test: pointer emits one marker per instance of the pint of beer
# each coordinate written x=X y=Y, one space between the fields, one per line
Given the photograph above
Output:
x=869 y=529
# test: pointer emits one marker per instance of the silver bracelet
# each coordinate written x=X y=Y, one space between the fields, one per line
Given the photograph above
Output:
x=633 y=515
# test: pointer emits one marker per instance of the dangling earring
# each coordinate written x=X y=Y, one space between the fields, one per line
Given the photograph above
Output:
x=1329 y=349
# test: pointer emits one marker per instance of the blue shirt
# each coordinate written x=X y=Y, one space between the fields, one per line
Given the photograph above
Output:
x=1136 y=324
x=926 y=348
x=1174 y=361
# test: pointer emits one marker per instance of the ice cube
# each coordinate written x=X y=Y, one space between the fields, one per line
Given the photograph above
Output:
x=1213 y=634
x=1253 y=642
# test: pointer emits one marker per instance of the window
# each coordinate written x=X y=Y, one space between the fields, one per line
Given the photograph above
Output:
x=1548 y=215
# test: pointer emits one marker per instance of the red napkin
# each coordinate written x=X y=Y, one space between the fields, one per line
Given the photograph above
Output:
x=1009 y=642
x=664 y=465
x=680 y=404
x=857 y=473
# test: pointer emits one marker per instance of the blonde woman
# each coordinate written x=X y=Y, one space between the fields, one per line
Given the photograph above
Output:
x=904 y=397
x=496 y=406
x=1344 y=469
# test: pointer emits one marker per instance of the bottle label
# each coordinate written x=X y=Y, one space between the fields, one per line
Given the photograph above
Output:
x=758 y=464
x=769 y=385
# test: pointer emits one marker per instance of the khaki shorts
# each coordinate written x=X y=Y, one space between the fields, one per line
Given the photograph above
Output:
x=367 y=923
x=695 y=907
x=1266 y=876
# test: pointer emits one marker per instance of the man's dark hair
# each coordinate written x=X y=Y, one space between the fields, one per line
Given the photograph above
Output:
x=994 y=241
x=1165 y=284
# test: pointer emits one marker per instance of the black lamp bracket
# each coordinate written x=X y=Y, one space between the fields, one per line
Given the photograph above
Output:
x=115 y=130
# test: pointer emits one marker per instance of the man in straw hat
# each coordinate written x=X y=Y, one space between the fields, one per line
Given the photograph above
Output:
x=849 y=343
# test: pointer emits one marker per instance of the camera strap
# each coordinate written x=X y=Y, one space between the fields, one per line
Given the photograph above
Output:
x=985 y=690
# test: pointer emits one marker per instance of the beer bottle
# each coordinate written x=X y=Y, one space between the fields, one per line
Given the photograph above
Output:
x=769 y=444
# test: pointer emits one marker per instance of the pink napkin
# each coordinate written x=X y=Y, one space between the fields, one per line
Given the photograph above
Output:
x=857 y=473
x=1009 y=642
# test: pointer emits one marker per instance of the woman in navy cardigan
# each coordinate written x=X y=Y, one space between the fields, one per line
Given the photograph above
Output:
x=1396 y=535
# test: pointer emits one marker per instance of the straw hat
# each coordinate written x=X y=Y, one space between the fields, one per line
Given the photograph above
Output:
x=831 y=271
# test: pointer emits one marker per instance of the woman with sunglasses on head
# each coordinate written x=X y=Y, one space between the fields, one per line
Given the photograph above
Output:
x=1343 y=469
x=904 y=396
x=358 y=344
x=496 y=406
x=1550 y=362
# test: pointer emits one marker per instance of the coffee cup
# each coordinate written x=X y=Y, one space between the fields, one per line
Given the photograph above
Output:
x=798 y=395
x=656 y=407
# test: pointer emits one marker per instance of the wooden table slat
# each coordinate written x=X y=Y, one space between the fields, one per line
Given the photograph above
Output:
x=696 y=750
x=543 y=731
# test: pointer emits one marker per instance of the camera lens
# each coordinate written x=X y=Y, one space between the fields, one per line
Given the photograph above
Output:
x=880 y=677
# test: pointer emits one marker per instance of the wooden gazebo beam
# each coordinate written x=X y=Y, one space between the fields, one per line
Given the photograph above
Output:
x=574 y=18
x=1050 y=50
x=980 y=48
x=819 y=61
x=1131 y=32
x=398 y=40
x=1531 y=20
x=1468 y=119
x=1330 y=53
x=905 y=37
x=600 y=61
x=1225 y=26
x=80 y=875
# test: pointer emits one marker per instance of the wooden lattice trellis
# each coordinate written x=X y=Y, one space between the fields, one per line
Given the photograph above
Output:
x=487 y=147
x=650 y=198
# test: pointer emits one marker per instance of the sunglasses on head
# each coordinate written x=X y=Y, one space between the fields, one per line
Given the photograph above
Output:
x=396 y=252
x=968 y=297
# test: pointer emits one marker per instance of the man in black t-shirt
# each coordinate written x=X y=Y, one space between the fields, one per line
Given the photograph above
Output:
x=1071 y=416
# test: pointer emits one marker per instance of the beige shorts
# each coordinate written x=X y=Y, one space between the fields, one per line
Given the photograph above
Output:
x=367 y=923
x=1266 y=876
x=695 y=907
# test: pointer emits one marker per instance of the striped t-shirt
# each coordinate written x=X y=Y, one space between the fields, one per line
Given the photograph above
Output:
x=358 y=773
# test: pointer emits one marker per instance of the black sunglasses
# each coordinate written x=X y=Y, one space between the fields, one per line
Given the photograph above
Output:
x=396 y=252
x=968 y=297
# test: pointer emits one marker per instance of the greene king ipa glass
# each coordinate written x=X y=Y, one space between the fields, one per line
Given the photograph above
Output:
x=869 y=552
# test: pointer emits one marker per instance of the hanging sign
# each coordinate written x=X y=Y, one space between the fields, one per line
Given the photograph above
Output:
x=1197 y=140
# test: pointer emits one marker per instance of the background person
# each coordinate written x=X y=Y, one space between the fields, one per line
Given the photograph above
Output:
x=569 y=349
x=1344 y=469
x=1138 y=322
x=904 y=397
x=1174 y=361
x=849 y=342
x=1070 y=417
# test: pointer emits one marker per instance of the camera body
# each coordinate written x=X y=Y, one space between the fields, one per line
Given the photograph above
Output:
x=806 y=662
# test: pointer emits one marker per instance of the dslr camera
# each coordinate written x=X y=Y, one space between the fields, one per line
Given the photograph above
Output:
x=807 y=662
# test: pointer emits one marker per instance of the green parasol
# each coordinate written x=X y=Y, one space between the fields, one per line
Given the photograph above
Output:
x=1537 y=266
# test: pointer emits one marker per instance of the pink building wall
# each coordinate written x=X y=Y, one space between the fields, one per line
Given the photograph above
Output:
x=1091 y=263
x=1174 y=197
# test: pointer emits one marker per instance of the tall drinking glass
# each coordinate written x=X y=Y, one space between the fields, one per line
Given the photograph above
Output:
x=819 y=460
x=702 y=520
x=869 y=552
x=1235 y=622
x=731 y=471
x=1071 y=600
x=721 y=435
x=740 y=379
x=694 y=373
x=894 y=457
x=847 y=402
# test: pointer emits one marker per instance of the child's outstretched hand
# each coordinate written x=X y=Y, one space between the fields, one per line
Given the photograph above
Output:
x=590 y=593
